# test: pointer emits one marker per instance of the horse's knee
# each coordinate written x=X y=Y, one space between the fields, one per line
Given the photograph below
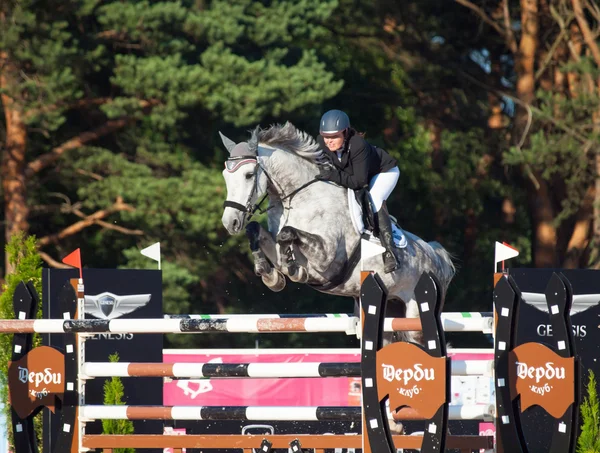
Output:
x=262 y=266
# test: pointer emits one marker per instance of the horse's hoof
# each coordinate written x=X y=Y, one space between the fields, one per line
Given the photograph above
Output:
x=300 y=276
x=275 y=282
x=396 y=427
x=291 y=270
x=260 y=270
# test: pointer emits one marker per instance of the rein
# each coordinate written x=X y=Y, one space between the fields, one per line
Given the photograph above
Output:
x=235 y=164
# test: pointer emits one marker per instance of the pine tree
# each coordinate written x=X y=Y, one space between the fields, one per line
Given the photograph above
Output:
x=98 y=96
x=589 y=439
x=27 y=267
x=113 y=396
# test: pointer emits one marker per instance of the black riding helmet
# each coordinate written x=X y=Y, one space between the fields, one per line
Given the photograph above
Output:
x=333 y=122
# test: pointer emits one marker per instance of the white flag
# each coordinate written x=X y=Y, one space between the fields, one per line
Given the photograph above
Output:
x=153 y=252
x=503 y=252
x=369 y=249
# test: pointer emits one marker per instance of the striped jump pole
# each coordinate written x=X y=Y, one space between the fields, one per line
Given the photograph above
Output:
x=264 y=413
x=449 y=315
x=452 y=321
x=255 y=370
x=165 y=326
x=348 y=325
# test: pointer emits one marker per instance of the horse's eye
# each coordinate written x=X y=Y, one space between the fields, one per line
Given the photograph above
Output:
x=249 y=175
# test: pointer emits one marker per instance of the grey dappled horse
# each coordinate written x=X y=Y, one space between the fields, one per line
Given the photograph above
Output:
x=310 y=237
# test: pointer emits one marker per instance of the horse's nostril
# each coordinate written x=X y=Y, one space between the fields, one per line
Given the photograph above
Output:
x=236 y=224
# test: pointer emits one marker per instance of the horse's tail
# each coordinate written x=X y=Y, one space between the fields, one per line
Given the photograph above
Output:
x=447 y=266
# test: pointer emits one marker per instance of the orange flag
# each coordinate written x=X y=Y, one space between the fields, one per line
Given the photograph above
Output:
x=74 y=259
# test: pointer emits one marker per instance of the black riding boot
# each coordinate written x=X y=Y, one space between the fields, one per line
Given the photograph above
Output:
x=390 y=264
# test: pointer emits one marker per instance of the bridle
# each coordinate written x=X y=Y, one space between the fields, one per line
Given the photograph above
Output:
x=232 y=165
x=235 y=163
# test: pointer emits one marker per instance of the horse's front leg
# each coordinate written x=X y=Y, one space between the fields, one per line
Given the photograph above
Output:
x=264 y=252
x=312 y=247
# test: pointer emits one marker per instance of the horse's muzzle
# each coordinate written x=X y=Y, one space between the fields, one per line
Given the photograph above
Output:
x=233 y=221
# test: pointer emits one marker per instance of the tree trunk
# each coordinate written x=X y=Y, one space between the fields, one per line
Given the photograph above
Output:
x=13 y=157
x=590 y=38
x=437 y=162
x=580 y=237
x=496 y=120
x=544 y=232
x=596 y=213
x=527 y=51
x=540 y=202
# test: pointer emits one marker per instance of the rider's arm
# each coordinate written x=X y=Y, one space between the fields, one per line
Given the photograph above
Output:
x=359 y=154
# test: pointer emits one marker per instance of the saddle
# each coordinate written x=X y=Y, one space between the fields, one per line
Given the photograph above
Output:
x=363 y=198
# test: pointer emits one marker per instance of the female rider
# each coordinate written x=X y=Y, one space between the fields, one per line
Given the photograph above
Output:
x=357 y=164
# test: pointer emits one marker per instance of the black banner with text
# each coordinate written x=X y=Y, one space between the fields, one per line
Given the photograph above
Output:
x=112 y=294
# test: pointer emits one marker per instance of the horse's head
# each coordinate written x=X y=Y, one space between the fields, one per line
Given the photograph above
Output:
x=245 y=184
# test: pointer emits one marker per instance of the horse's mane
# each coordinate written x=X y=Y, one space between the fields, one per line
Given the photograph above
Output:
x=288 y=138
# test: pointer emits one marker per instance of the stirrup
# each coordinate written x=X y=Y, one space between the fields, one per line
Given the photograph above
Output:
x=390 y=263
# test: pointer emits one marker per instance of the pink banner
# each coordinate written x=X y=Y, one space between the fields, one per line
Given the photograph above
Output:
x=487 y=429
x=262 y=392
x=471 y=355
x=291 y=391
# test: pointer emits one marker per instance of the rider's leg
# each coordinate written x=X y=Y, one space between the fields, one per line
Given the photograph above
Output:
x=382 y=186
x=384 y=225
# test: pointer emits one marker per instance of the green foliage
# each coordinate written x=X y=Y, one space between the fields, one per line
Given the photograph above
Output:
x=561 y=146
x=154 y=80
x=27 y=267
x=589 y=439
x=113 y=396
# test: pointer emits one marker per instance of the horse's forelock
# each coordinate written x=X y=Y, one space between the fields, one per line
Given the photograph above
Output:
x=291 y=139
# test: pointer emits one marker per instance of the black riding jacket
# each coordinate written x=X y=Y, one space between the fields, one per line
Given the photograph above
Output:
x=360 y=162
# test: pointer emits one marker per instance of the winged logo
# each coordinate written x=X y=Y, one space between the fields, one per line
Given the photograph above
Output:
x=581 y=302
x=110 y=306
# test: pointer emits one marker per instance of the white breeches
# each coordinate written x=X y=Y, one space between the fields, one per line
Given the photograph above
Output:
x=382 y=185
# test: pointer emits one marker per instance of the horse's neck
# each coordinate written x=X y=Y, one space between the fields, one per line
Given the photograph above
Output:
x=287 y=172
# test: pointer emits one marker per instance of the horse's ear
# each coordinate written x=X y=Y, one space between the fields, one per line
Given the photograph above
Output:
x=229 y=144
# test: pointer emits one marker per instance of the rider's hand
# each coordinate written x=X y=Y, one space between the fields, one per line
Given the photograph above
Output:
x=324 y=174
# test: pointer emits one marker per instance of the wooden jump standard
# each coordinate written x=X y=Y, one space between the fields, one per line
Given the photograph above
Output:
x=414 y=379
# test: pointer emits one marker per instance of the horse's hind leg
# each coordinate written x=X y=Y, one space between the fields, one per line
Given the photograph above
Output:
x=397 y=308
x=264 y=252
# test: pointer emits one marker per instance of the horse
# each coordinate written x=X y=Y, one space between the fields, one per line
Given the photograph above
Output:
x=310 y=237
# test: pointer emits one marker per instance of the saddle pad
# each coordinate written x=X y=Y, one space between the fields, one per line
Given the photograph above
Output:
x=359 y=227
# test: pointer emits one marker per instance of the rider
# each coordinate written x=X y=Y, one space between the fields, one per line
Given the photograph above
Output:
x=357 y=164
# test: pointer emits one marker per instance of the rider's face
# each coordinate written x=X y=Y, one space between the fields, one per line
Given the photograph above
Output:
x=334 y=141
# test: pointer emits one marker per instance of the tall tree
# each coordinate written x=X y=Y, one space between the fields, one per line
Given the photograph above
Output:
x=79 y=79
x=554 y=146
